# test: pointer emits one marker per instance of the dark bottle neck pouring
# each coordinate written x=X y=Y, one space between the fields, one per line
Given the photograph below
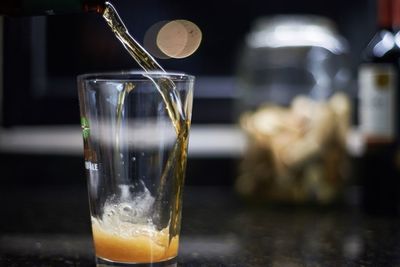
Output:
x=49 y=7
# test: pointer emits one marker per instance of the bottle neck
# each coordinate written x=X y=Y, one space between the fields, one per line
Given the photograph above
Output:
x=93 y=6
x=49 y=7
x=385 y=16
x=396 y=15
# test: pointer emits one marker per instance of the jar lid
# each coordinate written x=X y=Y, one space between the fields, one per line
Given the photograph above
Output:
x=296 y=31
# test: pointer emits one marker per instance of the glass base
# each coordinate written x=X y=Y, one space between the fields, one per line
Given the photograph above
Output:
x=106 y=263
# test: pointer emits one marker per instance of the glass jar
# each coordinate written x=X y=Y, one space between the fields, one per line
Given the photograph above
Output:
x=293 y=75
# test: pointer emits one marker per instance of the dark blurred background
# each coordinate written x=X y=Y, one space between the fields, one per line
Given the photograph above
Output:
x=43 y=55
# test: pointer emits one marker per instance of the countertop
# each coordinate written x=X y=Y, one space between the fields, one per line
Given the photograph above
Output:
x=49 y=226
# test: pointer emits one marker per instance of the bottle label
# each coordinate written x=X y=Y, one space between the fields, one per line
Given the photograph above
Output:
x=377 y=94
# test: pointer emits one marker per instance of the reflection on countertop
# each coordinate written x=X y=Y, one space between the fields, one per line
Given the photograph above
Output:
x=50 y=227
x=214 y=141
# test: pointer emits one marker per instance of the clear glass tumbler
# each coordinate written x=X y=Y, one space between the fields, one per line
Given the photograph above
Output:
x=135 y=129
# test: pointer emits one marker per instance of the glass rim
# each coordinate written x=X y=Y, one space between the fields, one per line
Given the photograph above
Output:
x=134 y=75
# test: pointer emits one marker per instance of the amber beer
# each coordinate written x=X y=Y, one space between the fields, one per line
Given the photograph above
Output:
x=146 y=246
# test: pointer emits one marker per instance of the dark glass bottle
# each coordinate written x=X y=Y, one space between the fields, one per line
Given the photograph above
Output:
x=379 y=114
x=49 y=7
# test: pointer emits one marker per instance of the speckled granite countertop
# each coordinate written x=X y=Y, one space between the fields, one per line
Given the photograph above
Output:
x=50 y=227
